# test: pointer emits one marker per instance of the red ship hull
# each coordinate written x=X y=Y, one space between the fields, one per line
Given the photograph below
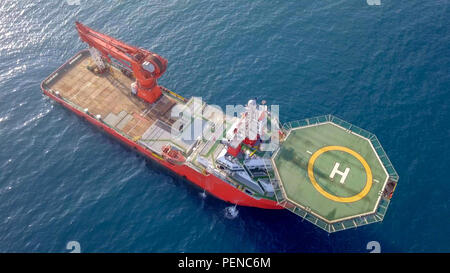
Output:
x=210 y=183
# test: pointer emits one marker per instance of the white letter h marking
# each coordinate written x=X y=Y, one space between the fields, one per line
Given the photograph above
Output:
x=342 y=174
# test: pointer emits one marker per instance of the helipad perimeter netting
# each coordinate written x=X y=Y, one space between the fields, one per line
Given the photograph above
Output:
x=311 y=213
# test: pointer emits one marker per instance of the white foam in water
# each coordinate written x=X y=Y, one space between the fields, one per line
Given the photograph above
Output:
x=231 y=212
x=203 y=194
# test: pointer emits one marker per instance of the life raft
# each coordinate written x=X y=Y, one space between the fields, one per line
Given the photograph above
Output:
x=173 y=155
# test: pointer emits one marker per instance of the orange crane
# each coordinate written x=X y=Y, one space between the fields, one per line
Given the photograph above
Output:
x=147 y=66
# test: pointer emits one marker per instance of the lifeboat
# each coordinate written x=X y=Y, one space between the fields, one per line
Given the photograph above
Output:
x=172 y=155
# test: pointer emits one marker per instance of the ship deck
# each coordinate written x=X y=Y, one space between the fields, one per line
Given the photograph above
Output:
x=108 y=95
x=332 y=174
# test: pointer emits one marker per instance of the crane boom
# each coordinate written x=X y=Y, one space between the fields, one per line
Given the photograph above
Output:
x=147 y=66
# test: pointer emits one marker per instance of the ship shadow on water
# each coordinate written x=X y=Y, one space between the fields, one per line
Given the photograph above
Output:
x=282 y=231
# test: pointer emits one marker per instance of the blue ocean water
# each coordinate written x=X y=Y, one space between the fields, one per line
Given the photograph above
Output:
x=384 y=68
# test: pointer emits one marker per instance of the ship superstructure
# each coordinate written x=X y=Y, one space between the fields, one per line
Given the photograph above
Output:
x=329 y=172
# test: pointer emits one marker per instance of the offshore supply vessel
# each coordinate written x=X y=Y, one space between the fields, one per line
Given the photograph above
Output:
x=324 y=169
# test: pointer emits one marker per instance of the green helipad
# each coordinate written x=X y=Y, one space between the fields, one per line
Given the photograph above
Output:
x=331 y=172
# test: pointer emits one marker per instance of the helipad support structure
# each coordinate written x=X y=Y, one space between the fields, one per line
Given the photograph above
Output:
x=332 y=173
